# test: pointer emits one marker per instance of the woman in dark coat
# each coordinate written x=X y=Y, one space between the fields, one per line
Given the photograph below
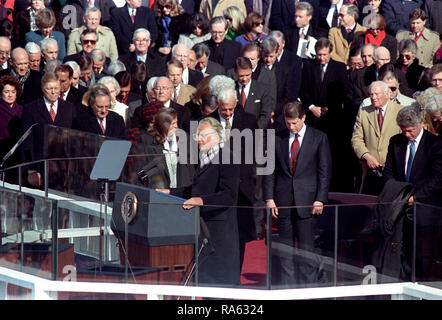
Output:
x=377 y=35
x=171 y=20
x=10 y=117
x=409 y=64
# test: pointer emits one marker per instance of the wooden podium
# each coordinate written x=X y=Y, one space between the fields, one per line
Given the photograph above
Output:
x=160 y=233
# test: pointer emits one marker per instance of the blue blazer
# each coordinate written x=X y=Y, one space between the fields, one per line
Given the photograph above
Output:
x=36 y=36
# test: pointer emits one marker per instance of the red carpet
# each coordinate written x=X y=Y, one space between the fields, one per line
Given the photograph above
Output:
x=254 y=267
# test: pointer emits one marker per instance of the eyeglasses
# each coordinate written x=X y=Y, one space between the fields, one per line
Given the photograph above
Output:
x=167 y=6
x=141 y=40
x=376 y=29
x=89 y=41
x=406 y=56
x=257 y=24
x=203 y=135
x=393 y=89
x=181 y=55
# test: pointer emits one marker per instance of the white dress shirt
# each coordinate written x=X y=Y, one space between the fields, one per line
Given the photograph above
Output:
x=301 y=134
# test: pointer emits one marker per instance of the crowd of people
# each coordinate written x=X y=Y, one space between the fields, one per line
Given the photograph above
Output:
x=139 y=70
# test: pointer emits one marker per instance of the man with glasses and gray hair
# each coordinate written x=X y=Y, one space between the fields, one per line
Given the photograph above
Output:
x=141 y=41
x=222 y=50
x=34 y=53
x=5 y=52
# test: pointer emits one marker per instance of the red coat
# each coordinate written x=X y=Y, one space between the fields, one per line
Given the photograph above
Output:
x=9 y=4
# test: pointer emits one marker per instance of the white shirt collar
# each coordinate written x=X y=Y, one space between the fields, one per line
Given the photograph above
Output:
x=167 y=104
x=48 y=104
x=186 y=75
x=301 y=134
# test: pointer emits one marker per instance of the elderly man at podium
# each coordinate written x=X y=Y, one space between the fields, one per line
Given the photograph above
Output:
x=214 y=189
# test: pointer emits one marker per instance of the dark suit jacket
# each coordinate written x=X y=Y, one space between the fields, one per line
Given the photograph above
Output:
x=330 y=93
x=291 y=61
x=31 y=88
x=426 y=171
x=123 y=28
x=215 y=69
x=218 y=185
x=258 y=103
x=361 y=79
x=291 y=35
x=36 y=112
x=195 y=76
x=155 y=64
x=311 y=180
x=283 y=12
x=75 y=97
x=115 y=127
x=224 y=53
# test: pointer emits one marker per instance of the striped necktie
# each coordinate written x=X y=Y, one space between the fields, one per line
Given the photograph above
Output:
x=52 y=112
x=294 y=152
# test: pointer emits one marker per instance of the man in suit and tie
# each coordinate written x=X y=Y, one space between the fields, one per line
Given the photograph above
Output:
x=125 y=20
x=328 y=16
x=301 y=178
x=81 y=6
x=254 y=96
x=231 y=115
x=374 y=127
x=285 y=91
x=88 y=39
x=141 y=41
x=301 y=37
x=99 y=119
x=204 y=64
x=48 y=110
x=344 y=37
x=5 y=52
x=181 y=52
x=222 y=50
x=415 y=156
x=323 y=88
x=182 y=92
x=283 y=12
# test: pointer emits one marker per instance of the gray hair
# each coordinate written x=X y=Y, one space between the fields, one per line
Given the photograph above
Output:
x=174 y=48
x=381 y=83
x=425 y=95
x=201 y=49
x=164 y=78
x=409 y=116
x=45 y=42
x=304 y=6
x=408 y=45
x=51 y=65
x=276 y=34
x=74 y=65
x=219 y=19
x=215 y=124
x=98 y=90
x=98 y=55
x=32 y=48
x=141 y=30
x=376 y=52
x=269 y=45
x=151 y=84
x=368 y=45
x=434 y=104
x=115 y=66
x=226 y=94
x=91 y=9
x=352 y=10
x=220 y=82
x=108 y=79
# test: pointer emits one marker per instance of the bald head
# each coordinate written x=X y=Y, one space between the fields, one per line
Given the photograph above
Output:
x=5 y=49
x=381 y=56
x=20 y=61
x=181 y=52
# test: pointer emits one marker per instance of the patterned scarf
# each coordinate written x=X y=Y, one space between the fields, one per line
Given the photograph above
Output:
x=207 y=156
x=21 y=79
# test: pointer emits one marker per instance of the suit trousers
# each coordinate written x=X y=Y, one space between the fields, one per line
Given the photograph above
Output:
x=301 y=269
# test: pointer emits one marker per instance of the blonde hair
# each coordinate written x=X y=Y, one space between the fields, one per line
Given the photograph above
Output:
x=237 y=17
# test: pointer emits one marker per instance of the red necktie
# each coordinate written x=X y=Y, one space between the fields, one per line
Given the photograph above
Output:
x=294 y=152
x=62 y=96
x=243 y=97
x=90 y=3
x=102 y=126
x=133 y=16
x=349 y=30
x=380 y=119
x=52 y=112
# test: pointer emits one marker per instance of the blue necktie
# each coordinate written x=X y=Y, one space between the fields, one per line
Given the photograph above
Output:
x=410 y=159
